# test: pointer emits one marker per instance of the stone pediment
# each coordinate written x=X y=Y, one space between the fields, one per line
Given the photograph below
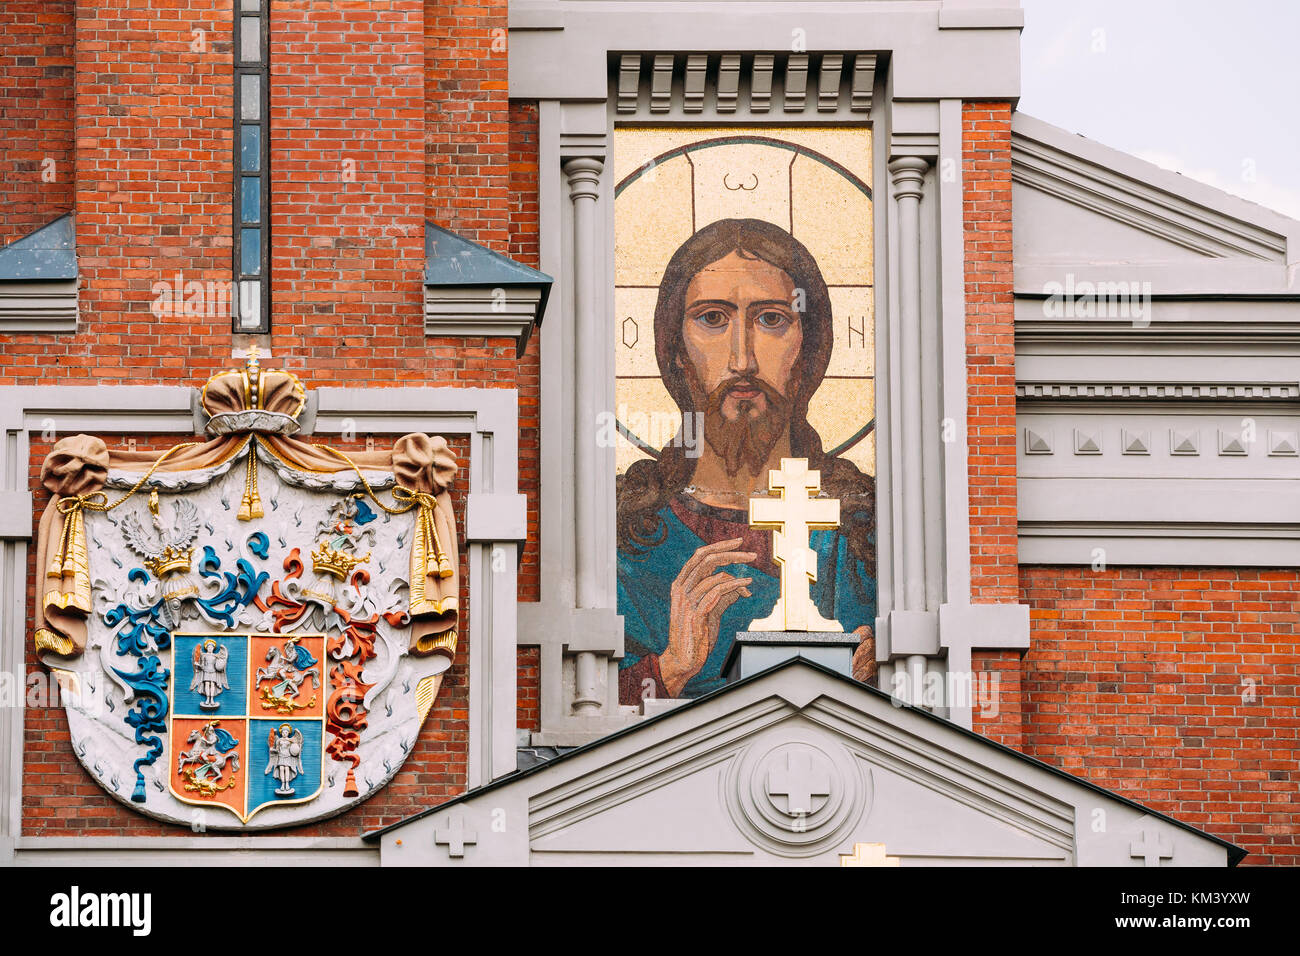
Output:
x=1103 y=215
x=795 y=765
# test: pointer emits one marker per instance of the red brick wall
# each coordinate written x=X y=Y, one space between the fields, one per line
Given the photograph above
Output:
x=35 y=114
x=1175 y=687
x=466 y=116
x=990 y=350
x=349 y=201
x=991 y=394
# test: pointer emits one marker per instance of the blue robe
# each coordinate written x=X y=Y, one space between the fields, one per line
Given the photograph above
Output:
x=845 y=591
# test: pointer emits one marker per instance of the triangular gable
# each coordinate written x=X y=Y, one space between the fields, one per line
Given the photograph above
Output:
x=1101 y=214
x=712 y=782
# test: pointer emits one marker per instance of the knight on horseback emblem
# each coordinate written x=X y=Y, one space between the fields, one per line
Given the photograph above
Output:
x=204 y=765
x=288 y=668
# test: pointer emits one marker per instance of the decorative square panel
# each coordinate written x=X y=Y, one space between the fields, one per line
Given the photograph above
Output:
x=1135 y=442
x=1087 y=441
x=1283 y=444
x=1232 y=443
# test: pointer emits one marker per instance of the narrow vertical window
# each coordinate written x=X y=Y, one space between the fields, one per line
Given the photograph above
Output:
x=252 y=173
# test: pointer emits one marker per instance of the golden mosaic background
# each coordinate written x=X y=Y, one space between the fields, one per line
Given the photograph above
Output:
x=658 y=211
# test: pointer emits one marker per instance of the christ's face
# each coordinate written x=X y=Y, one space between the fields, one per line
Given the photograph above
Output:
x=741 y=331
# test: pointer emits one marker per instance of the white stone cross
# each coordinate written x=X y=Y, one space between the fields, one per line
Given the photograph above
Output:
x=790 y=518
x=798 y=781
x=455 y=836
x=1152 y=847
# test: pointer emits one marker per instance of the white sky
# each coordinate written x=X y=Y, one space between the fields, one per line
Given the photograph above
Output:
x=1208 y=88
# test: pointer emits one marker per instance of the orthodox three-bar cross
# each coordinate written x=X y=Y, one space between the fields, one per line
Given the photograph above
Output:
x=791 y=518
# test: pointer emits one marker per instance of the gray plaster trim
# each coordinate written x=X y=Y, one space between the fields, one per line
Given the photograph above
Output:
x=192 y=851
x=559 y=51
x=39 y=307
x=507 y=311
x=488 y=416
x=1172 y=546
x=1168 y=391
x=981 y=18
x=1194 y=278
x=1220 y=325
x=821 y=87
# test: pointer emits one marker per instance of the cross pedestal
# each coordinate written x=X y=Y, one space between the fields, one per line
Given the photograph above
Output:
x=756 y=651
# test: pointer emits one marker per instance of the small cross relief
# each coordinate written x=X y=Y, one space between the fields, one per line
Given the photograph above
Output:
x=800 y=779
x=1152 y=848
x=454 y=836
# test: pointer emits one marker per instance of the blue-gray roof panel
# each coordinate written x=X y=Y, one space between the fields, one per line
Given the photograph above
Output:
x=48 y=254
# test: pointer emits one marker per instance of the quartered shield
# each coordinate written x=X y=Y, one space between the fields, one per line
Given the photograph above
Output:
x=247 y=720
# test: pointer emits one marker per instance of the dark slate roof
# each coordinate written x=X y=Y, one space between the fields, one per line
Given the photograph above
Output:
x=49 y=253
x=1235 y=853
x=451 y=260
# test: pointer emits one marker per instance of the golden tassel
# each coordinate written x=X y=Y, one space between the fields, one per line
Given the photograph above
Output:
x=71 y=560
x=430 y=529
x=250 y=506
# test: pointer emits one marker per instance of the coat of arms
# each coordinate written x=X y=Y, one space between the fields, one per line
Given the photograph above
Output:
x=257 y=624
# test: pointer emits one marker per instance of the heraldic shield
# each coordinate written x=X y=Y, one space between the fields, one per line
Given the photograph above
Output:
x=254 y=623
x=247 y=726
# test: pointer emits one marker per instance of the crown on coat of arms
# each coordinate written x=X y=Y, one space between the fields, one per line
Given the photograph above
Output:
x=170 y=560
x=338 y=564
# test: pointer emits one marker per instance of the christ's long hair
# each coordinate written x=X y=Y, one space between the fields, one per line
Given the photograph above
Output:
x=648 y=485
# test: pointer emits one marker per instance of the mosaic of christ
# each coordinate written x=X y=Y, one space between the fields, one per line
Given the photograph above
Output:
x=745 y=337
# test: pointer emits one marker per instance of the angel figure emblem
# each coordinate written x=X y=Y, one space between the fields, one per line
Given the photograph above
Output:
x=204 y=764
x=289 y=667
x=285 y=749
x=209 y=678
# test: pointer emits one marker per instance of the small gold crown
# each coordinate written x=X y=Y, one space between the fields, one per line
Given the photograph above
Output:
x=339 y=564
x=171 y=560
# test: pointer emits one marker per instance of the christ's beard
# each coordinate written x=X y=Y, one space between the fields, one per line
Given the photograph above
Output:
x=748 y=439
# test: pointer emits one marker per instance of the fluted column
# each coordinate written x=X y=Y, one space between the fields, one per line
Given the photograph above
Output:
x=908 y=177
x=908 y=174
x=584 y=188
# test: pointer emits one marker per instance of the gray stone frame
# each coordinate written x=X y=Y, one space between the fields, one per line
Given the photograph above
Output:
x=495 y=527
x=576 y=59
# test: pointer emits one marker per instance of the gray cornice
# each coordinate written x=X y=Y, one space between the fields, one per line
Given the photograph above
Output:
x=698 y=85
x=1170 y=391
x=38 y=306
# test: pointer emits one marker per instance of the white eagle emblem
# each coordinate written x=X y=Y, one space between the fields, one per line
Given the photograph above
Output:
x=153 y=544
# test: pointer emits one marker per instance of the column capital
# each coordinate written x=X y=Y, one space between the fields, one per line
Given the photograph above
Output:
x=584 y=177
x=908 y=175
